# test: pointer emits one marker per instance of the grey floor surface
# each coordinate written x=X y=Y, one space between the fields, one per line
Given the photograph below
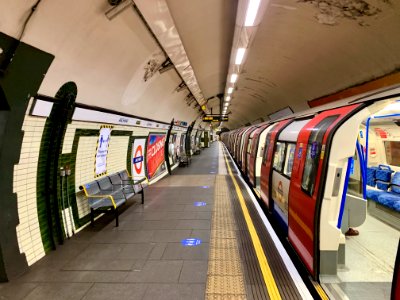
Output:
x=141 y=259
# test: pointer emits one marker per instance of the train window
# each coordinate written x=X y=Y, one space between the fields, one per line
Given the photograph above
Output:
x=392 y=150
x=289 y=159
x=279 y=156
x=249 y=146
x=267 y=142
x=313 y=154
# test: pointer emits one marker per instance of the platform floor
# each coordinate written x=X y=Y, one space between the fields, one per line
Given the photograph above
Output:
x=144 y=257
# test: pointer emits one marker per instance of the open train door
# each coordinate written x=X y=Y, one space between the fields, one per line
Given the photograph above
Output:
x=307 y=184
x=396 y=277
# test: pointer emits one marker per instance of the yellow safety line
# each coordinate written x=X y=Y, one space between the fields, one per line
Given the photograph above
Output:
x=320 y=291
x=262 y=259
x=265 y=269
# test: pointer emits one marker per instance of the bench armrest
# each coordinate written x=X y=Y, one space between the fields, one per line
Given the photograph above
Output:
x=98 y=196
x=140 y=178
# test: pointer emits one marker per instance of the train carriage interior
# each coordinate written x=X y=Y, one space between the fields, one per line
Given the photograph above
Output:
x=371 y=216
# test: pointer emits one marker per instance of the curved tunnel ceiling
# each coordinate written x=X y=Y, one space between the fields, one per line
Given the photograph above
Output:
x=301 y=51
x=296 y=57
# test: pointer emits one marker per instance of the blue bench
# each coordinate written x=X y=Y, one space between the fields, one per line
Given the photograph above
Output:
x=110 y=192
x=384 y=196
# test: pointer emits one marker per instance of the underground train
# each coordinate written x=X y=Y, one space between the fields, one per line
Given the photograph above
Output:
x=314 y=171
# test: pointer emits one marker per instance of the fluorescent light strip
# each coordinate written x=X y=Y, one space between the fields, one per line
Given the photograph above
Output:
x=230 y=90
x=239 y=55
x=234 y=77
x=251 y=13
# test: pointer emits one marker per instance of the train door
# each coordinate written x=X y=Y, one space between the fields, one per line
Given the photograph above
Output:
x=234 y=142
x=238 y=139
x=239 y=146
x=266 y=166
x=371 y=227
x=247 y=150
x=309 y=173
x=255 y=156
x=282 y=164
x=245 y=145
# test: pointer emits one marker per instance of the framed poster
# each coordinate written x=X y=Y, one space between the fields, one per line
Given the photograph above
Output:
x=138 y=161
x=100 y=165
x=155 y=154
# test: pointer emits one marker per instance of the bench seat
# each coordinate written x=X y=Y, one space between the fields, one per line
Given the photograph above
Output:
x=110 y=192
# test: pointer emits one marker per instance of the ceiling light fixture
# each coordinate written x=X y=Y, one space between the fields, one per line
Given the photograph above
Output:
x=240 y=55
x=228 y=98
x=230 y=90
x=234 y=77
x=251 y=13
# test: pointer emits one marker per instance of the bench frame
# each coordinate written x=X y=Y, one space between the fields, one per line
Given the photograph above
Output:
x=113 y=207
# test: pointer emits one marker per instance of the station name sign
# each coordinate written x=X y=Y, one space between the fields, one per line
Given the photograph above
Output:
x=215 y=118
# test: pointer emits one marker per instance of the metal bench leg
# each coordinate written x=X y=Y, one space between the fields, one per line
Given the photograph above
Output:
x=116 y=217
x=142 y=192
x=92 y=217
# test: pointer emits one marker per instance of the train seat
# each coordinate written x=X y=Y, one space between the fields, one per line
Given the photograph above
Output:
x=373 y=194
x=371 y=176
x=391 y=198
x=383 y=173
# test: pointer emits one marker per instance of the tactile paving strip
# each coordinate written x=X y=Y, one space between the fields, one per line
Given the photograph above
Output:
x=225 y=276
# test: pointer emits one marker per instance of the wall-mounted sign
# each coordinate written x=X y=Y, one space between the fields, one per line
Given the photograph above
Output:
x=138 y=167
x=89 y=115
x=100 y=167
x=215 y=118
x=155 y=154
x=180 y=123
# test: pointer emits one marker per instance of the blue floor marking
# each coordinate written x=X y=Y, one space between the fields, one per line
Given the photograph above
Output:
x=191 y=242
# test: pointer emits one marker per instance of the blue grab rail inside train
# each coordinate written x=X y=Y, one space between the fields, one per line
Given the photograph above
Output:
x=350 y=164
x=350 y=161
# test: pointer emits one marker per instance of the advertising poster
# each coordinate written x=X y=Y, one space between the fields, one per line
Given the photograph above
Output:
x=100 y=167
x=155 y=154
x=138 y=166
x=178 y=147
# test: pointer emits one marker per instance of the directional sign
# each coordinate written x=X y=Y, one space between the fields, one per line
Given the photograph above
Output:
x=215 y=118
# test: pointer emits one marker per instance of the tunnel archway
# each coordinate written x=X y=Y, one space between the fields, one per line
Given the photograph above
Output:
x=49 y=164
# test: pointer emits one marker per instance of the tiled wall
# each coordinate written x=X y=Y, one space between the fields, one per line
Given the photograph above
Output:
x=25 y=172
x=117 y=151
x=84 y=172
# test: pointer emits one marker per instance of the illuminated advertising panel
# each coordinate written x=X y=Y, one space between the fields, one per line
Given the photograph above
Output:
x=155 y=154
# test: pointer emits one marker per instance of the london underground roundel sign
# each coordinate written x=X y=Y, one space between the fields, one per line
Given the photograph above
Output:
x=138 y=159
x=138 y=164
